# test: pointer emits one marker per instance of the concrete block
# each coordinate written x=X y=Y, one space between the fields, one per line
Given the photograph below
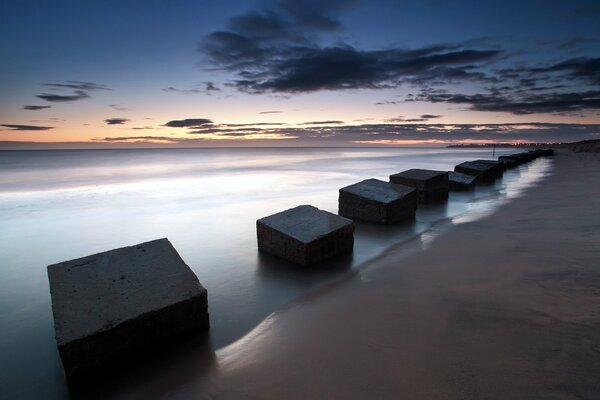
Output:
x=378 y=201
x=459 y=181
x=512 y=160
x=485 y=172
x=498 y=169
x=305 y=235
x=432 y=186
x=113 y=305
x=509 y=162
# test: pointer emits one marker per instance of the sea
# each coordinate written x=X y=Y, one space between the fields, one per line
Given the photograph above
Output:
x=58 y=205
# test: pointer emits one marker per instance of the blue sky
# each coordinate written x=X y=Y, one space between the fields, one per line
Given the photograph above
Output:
x=469 y=63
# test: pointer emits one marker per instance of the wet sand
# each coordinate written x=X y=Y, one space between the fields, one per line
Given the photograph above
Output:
x=507 y=307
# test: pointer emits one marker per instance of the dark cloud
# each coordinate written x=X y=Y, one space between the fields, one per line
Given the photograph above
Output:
x=57 y=98
x=295 y=47
x=322 y=122
x=396 y=119
x=77 y=85
x=394 y=133
x=308 y=69
x=240 y=131
x=138 y=138
x=270 y=112
x=423 y=118
x=116 y=121
x=555 y=103
x=252 y=35
x=316 y=14
x=223 y=131
x=34 y=108
x=207 y=88
x=277 y=50
x=574 y=43
x=587 y=69
x=403 y=119
x=118 y=107
x=255 y=124
x=189 y=123
x=210 y=87
x=27 y=127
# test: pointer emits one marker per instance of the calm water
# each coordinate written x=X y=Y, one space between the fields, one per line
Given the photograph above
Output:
x=60 y=205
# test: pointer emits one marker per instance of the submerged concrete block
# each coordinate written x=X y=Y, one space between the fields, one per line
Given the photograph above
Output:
x=116 y=304
x=378 y=201
x=432 y=186
x=485 y=172
x=305 y=235
x=459 y=181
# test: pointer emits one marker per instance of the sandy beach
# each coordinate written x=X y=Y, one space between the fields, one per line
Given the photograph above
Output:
x=506 y=307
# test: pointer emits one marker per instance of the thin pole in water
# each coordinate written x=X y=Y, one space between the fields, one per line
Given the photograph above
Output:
x=494 y=151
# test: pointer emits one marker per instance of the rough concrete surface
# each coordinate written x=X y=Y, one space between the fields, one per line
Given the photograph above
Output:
x=486 y=173
x=459 y=181
x=113 y=304
x=378 y=201
x=432 y=186
x=305 y=235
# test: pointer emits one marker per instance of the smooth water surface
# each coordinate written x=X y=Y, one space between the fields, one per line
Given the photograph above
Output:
x=60 y=205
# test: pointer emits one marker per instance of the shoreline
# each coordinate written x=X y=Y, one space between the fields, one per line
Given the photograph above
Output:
x=453 y=329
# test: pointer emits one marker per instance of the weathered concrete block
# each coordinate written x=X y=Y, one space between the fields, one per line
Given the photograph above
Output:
x=305 y=235
x=520 y=158
x=529 y=155
x=485 y=172
x=508 y=162
x=378 y=201
x=432 y=186
x=459 y=181
x=547 y=152
x=498 y=169
x=113 y=305
x=512 y=160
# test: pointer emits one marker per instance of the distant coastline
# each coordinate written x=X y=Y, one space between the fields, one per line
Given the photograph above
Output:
x=510 y=145
x=592 y=145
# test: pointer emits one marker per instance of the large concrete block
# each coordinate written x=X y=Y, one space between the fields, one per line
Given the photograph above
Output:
x=459 y=181
x=113 y=305
x=432 y=186
x=485 y=172
x=512 y=160
x=305 y=235
x=378 y=201
x=498 y=169
x=508 y=162
x=547 y=152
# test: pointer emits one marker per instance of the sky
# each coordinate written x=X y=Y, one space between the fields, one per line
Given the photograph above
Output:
x=297 y=73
